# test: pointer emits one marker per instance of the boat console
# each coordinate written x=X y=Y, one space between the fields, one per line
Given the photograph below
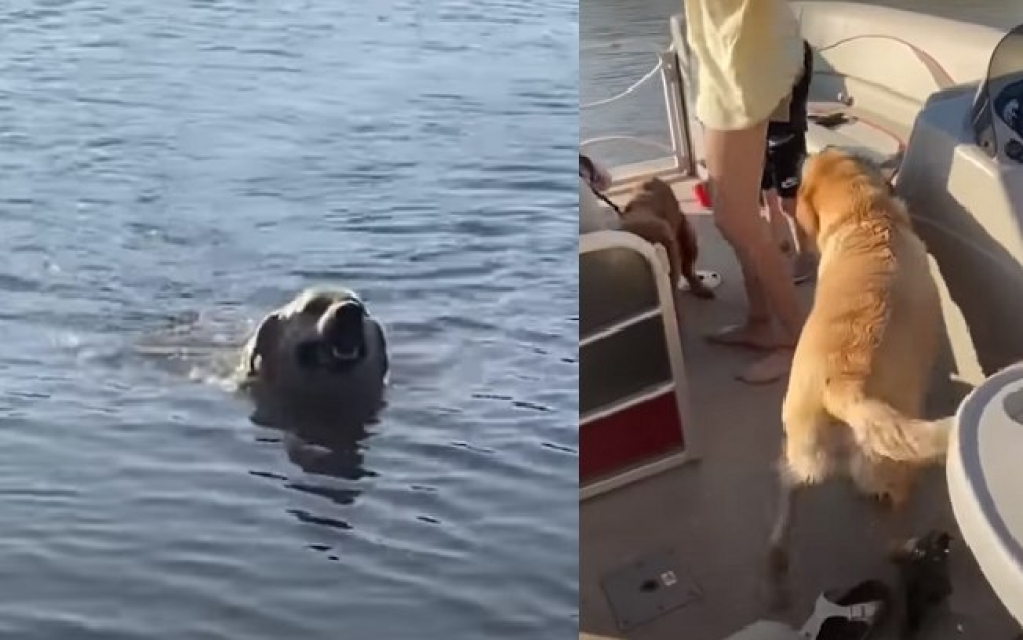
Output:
x=982 y=463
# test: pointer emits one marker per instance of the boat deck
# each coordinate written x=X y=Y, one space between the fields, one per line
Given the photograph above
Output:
x=715 y=514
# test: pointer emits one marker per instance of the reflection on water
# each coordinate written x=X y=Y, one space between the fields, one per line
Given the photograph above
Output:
x=169 y=172
x=619 y=41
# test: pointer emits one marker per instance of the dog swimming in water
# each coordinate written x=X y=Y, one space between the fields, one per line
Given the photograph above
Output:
x=321 y=355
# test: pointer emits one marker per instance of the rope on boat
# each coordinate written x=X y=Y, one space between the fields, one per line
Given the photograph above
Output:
x=619 y=96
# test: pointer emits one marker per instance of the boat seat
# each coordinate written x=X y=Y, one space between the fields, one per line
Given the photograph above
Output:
x=632 y=387
x=983 y=481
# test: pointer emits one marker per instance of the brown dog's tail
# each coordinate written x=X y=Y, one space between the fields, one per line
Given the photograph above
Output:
x=883 y=431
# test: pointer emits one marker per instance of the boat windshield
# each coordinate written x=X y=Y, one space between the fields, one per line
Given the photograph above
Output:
x=997 y=113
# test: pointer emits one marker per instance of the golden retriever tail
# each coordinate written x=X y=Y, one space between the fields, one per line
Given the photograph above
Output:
x=883 y=431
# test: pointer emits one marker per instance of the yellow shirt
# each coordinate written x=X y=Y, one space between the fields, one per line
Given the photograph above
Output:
x=749 y=53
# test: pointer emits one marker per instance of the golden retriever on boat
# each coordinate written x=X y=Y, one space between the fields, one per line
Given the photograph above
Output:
x=863 y=363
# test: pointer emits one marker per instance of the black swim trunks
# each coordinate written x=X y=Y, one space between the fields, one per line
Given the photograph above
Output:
x=786 y=141
x=783 y=163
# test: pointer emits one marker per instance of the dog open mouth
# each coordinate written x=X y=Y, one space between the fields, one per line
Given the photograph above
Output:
x=320 y=354
x=339 y=342
x=345 y=355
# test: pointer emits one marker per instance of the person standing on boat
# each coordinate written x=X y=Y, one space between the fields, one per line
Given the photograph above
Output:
x=750 y=54
x=783 y=164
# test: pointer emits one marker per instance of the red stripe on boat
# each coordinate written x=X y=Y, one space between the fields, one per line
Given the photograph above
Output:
x=702 y=194
x=641 y=433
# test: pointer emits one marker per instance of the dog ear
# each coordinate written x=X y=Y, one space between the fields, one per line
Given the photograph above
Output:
x=267 y=335
x=806 y=214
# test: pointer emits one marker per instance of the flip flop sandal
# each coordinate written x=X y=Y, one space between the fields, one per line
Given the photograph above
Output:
x=710 y=279
x=852 y=615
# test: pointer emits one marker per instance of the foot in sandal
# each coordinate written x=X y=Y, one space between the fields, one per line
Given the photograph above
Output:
x=850 y=615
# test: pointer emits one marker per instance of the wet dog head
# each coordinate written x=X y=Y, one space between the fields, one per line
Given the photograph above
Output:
x=332 y=333
x=320 y=331
x=321 y=348
x=839 y=187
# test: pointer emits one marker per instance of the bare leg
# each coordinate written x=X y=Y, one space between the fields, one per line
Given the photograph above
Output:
x=804 y=263
x=757 y=332
x=788 y=205
x=779 y=224
x=735 y=162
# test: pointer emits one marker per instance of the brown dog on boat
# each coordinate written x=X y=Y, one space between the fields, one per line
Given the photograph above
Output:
x=862 y=366
x=654 y=214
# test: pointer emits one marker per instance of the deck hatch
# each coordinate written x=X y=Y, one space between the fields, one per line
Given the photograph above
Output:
x=650 y=587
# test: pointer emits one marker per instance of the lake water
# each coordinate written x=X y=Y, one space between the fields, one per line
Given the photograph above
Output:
x=169 y=171
x=619 y=42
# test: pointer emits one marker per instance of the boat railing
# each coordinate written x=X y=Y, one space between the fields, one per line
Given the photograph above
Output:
x=677 y=160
